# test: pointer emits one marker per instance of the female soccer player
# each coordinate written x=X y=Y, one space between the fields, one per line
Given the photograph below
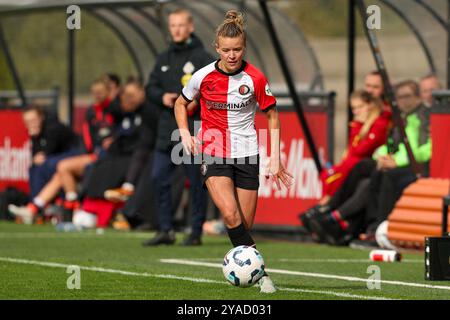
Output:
x=229 y=90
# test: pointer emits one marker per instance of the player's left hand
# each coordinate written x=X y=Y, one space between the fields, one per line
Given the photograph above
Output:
x=278 y=173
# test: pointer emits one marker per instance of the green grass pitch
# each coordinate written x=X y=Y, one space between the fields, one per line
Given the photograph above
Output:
x=114 y=265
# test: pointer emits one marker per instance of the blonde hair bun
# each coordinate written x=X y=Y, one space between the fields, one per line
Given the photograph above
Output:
x=234 y=16
x=232 y=26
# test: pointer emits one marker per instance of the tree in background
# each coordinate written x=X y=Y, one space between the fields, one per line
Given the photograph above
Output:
x=38 y=43
x=6 y=81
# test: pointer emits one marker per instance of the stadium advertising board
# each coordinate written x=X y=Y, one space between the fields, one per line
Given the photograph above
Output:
x=15 y=151
x=281 y=207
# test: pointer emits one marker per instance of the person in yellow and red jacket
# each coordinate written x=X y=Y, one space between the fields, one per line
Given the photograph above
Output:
x=368 y=131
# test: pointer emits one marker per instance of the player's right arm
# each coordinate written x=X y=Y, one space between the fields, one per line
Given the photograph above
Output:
x=181 y=116
x=188 y=94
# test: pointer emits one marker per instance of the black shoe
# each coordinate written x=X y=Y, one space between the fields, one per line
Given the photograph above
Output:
x=160 y=238
x=329 y=230
x=192 y=240
x=306 y=216
x=144 y=227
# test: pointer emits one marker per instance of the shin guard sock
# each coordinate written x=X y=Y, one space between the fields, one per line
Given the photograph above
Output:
x=239 y=236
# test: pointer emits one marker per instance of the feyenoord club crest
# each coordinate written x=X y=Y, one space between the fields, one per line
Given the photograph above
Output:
x=203 y=168
x=188 y=68
x=244 y=89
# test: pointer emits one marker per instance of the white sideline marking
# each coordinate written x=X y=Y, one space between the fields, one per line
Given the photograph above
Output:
x=365 y=261
x=169 y=276
x=344 y=260
x=75 y=234
x=105 y=270
x=310 y=274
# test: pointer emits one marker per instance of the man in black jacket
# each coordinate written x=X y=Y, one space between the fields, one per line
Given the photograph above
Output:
x=172 y=71
x=51 y=142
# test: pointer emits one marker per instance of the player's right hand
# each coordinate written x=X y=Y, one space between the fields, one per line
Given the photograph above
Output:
x=190 y=143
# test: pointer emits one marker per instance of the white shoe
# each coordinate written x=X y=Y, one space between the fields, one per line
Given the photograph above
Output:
x=266 y=285
x=23 y=212
x=84 y=220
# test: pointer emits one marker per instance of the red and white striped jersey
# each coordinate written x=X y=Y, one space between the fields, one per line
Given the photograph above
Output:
x=228 y=104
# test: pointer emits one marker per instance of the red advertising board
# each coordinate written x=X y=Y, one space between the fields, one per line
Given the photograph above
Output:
x=15 y=151
x=440 y=134
x=277 y=207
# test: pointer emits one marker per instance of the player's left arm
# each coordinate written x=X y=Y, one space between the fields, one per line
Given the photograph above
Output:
x=274 y=126
x=267 y=103
x=181 y=116
x=276 y=168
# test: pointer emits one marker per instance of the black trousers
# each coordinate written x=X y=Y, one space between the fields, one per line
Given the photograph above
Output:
x=352 y=198
x=112 y=169
x=368 y=195
x=141 y=207
x=385 y=188
x=162 y=173
x=139 y=160
x=106 y=173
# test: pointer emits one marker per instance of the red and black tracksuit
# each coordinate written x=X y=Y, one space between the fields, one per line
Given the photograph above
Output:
x=98 y=125
x=358 y=149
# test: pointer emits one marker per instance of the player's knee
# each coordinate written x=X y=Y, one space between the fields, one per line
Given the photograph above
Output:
x=231 y=217
x=62 y=167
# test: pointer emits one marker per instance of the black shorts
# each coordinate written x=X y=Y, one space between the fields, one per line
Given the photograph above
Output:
x=243 y=171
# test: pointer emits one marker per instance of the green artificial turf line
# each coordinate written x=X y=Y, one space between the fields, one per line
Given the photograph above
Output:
x=122 y=251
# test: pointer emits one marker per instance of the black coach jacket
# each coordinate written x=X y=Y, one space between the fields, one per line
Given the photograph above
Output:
x=172 y=71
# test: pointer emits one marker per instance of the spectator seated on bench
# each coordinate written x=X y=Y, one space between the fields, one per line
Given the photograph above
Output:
x=51 y=142
x=372 y=188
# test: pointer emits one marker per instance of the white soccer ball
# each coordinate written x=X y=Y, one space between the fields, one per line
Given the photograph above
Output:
x=381 y=236
x=243 y=266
